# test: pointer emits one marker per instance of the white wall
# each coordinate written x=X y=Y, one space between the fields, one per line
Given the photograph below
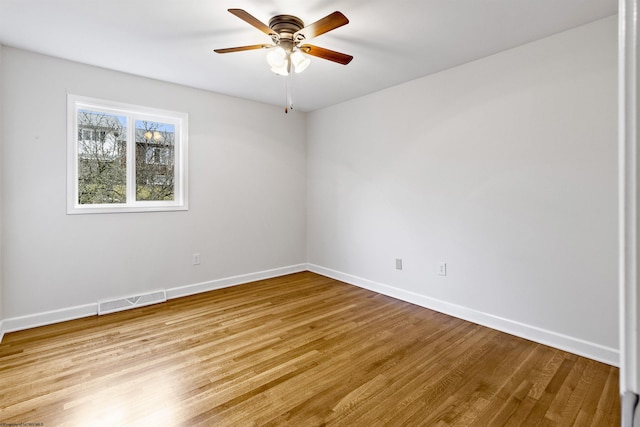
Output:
x=246 y=192
x=505 y=168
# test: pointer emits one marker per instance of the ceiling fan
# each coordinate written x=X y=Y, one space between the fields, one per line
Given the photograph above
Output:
x=288 y=35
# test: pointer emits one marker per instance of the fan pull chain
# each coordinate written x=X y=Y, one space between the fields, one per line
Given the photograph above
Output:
x=289 y=93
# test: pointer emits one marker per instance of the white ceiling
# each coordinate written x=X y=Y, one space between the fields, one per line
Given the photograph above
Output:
x=391 y=41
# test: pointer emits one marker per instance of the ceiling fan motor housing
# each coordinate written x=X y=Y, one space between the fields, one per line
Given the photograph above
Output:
x=286 y=26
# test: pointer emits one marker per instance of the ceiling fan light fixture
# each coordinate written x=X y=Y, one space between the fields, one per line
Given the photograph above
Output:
x=277 y=57
x=288 y=32
x=300 y=62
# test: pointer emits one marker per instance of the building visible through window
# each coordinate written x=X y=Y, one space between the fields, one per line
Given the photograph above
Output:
x=128 y=158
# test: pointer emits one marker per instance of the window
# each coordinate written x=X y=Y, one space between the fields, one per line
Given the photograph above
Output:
x=125 y=158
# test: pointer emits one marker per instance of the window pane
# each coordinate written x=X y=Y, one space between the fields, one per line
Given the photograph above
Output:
x=102 y=174
x=125 y=158
x=155 y=157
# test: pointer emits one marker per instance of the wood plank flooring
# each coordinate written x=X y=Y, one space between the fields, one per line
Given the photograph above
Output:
x=299 y=350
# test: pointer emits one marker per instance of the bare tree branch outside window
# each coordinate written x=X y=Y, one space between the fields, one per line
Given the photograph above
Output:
x=101 y=158
x=155 y=146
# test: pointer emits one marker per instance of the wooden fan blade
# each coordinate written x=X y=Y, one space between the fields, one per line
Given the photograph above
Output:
x=247 y=17
x=328 y=23
x=241 y=48
x=331 y=55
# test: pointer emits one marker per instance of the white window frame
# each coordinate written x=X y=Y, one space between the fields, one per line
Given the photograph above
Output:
x=132 y=113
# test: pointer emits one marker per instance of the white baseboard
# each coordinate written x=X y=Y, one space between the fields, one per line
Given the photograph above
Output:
x=62 y=315
x=591 y=350
x=573 y=345
x=183 y=291
x=13 y=324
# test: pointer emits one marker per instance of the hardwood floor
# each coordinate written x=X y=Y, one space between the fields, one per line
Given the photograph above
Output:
x=298 y=350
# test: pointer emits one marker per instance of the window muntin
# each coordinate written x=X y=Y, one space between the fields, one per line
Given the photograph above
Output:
x=125 y=158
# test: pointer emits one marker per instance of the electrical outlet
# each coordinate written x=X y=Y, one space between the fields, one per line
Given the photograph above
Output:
x=398 y=264
x=442 y=268
x=195 y=259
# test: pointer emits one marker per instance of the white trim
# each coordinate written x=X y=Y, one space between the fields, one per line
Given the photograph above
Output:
x=628 y=195
x=554 y=339
x=132 y=113
x=183 y=291
x=49 y=317
x=62 y=315
x=571 y=344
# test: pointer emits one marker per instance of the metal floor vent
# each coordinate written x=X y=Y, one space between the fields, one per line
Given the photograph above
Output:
x=111 y=306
